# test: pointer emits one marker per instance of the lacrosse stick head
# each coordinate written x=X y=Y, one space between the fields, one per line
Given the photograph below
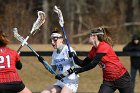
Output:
x=15 y=32
x=40 y=20
x=17 y=36
x=58 y=11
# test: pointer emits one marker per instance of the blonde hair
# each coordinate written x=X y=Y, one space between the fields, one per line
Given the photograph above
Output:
x=3 y=39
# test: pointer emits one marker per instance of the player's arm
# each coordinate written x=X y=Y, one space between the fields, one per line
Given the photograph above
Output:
x=87 y=67
x=78 y=61
x=18 y=65
x=91 y=65
x=129 y=47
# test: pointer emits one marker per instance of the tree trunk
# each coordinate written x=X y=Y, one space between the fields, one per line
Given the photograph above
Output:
x=46 y=34
x=129 y=15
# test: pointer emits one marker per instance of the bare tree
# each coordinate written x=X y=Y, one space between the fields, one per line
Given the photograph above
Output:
x=16 y=16
x=46 y=34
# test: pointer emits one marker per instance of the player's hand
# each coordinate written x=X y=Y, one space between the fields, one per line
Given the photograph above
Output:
x=77 y=70
x=71 y=54
x=59 y=76
x=74 y=70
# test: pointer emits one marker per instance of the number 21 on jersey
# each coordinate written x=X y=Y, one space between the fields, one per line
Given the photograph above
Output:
x=7 y=60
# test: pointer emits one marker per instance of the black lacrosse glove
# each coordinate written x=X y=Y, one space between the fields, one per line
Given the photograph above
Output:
x=71 y=54
x=75 y=70
x=71 y=70
x=40 y=58
x=78 y=70
x=59 y=76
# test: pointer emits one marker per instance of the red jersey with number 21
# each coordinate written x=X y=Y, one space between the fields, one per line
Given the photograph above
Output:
x=110 y=63
x=8 y=59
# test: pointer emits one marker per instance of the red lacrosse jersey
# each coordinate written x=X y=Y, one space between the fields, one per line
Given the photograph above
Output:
x=8 y=59
x=110 y=63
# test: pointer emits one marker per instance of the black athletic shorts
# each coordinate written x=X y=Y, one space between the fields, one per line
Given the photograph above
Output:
x=11 y=87
x=123 y=84
x=123 y=81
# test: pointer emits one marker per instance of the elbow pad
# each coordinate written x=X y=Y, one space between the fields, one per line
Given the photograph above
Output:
x=18 y=65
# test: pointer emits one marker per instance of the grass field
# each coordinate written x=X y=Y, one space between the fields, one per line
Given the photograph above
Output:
x=37 y=78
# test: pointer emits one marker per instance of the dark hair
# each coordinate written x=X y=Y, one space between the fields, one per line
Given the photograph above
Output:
x=135 y=37
x=56 y=31
x=3 y=39
x=56 y=34
x=105 y=36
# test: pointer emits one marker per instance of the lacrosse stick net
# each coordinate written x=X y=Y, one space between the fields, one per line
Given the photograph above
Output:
x=40 y=20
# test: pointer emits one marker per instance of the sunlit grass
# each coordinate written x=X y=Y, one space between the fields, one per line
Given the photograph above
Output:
x=37 y=78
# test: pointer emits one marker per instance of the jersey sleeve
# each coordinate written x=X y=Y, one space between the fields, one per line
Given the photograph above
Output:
x=17 y=56
x=103 y=49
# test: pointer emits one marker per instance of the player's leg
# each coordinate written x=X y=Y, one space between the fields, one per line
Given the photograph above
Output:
x=52 y=89
x=106 y=89
x=133 y=74
x=126 y=90
x=70 y=88
x=124 y=84
x=25 y=90
x=65 y=89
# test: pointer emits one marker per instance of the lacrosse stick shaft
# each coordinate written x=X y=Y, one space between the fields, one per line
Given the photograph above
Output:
x=61 y=22
x=67 y=43
x=45 y=63
x=23 y=43
x=33 y=50
x=47 y=66
x=65 y=36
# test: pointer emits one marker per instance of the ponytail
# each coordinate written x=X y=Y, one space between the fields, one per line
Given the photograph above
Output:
x=106 y=37
x=3 y=39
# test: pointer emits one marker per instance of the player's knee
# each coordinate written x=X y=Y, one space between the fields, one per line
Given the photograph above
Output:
x=46 y=91
x=25 y=90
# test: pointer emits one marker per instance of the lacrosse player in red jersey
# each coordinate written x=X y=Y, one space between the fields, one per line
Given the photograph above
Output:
x=115 y=75
x=10 y=81
x=62 y=62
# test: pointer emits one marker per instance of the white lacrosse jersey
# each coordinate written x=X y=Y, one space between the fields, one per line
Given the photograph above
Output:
x=63 y=62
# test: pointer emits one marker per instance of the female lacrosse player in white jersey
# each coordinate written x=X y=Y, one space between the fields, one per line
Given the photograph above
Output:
x=61 y=62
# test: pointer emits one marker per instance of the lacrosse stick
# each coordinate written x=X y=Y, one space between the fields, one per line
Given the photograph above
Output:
x=61 y=22
x=21 y=39
x=40 y=20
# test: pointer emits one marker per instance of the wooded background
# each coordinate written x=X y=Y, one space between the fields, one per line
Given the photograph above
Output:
x=122 y=17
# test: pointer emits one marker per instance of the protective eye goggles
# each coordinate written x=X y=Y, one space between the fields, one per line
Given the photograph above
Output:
x=99 y=31
x=96 y=33
x=55 y=38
